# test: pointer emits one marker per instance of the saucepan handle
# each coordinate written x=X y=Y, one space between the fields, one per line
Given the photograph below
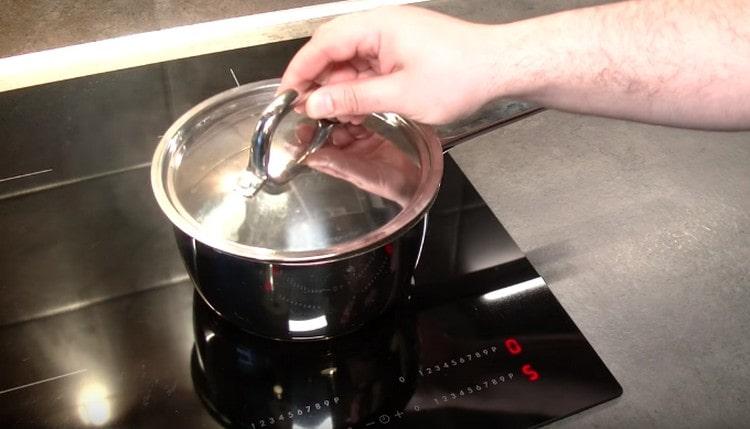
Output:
x=493 y=115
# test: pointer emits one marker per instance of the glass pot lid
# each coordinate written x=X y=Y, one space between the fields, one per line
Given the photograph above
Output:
x=303 y=200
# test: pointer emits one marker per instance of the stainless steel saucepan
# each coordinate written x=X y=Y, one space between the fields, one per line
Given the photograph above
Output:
x=293 y=228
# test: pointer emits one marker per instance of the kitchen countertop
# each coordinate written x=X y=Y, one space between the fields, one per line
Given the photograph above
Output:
x=35 y=26
x=643 y=234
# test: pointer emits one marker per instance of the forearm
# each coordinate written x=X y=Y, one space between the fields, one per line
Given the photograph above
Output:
x=675 y=62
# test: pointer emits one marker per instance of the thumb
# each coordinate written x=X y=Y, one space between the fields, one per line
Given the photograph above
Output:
x=354 y=97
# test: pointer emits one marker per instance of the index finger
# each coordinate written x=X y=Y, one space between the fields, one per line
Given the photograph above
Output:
x=340 y=40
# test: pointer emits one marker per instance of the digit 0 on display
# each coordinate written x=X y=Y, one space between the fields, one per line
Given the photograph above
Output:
x=513 y=346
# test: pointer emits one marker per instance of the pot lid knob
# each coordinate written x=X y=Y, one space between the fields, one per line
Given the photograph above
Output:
x=256 y=175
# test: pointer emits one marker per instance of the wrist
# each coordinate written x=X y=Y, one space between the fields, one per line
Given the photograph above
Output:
x=524 y=65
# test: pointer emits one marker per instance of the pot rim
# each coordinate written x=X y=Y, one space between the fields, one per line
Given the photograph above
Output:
x=430 y=157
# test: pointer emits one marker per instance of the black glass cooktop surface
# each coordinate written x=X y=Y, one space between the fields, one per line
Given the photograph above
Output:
x=99 y=325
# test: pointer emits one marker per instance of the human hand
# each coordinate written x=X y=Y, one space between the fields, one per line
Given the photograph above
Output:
x=420 y=64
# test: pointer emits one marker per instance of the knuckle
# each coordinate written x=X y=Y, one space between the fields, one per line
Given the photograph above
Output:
x=332 y=27
x=350 y=101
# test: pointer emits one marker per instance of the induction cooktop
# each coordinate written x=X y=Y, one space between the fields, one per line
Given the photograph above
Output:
x=99 y=325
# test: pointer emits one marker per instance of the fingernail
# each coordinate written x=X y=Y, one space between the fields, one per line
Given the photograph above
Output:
x=320 y=105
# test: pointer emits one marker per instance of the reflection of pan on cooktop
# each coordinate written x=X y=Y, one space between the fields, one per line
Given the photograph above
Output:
x=251 y=382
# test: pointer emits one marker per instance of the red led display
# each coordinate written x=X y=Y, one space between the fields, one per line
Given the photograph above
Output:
x=530 y=372
x=513 y=346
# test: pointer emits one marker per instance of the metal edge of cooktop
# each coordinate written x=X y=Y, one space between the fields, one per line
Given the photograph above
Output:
x=185 y=41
